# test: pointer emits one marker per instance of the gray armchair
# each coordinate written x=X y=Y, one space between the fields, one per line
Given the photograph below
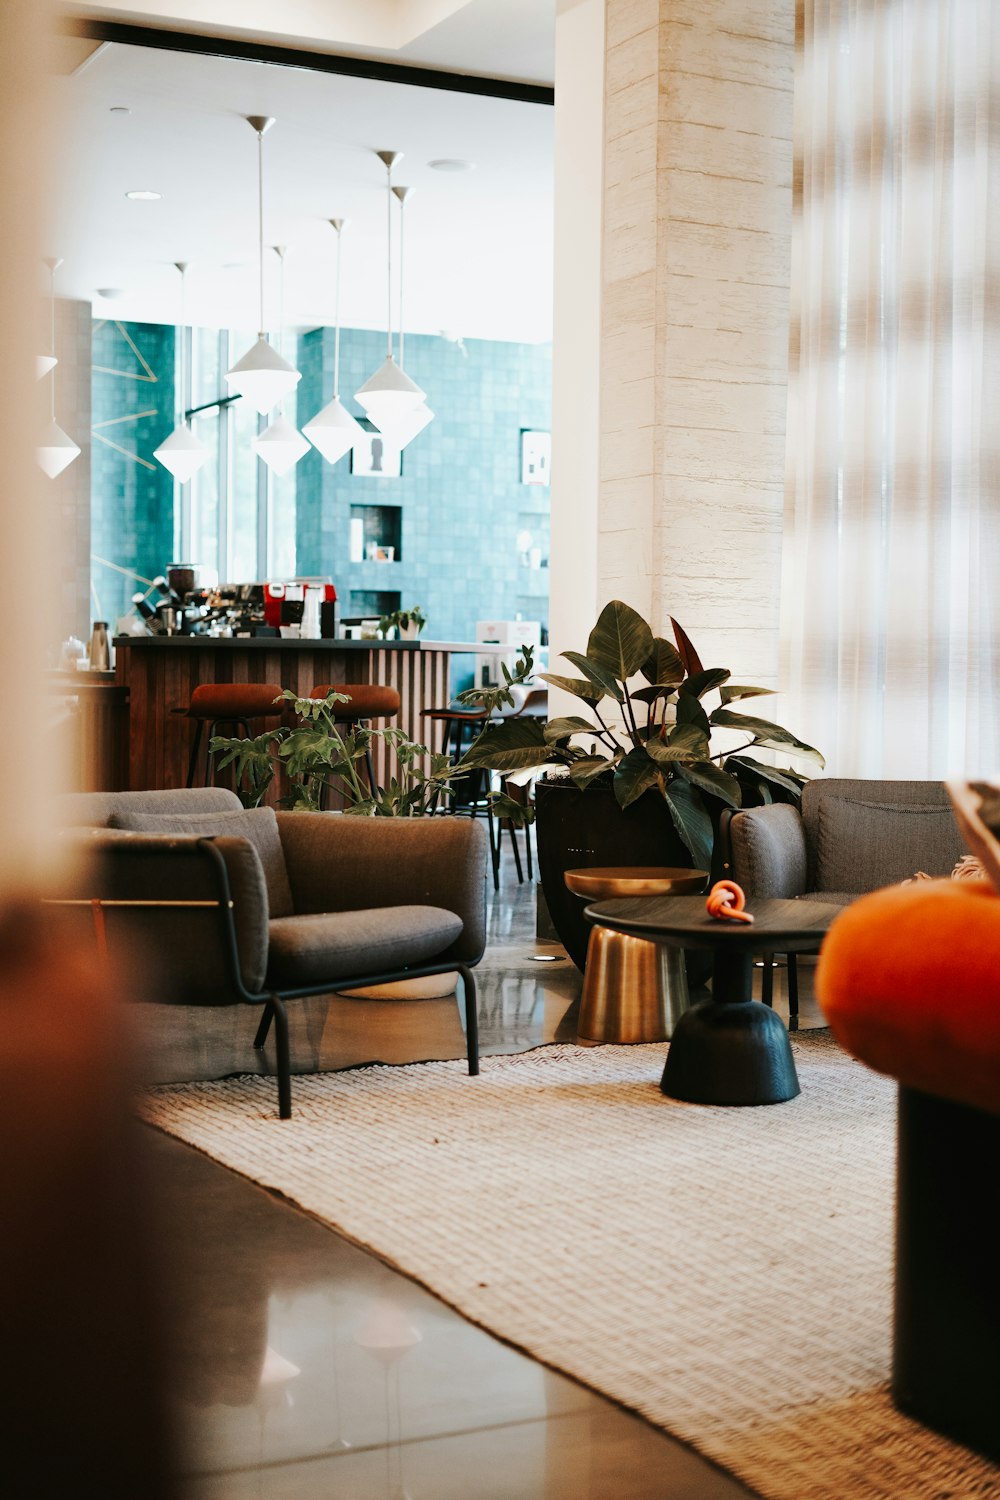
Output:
x=849 y=837
x=227 y=907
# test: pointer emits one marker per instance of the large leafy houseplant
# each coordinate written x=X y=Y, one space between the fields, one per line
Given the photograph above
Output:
x=316 y=756
x=649 y=728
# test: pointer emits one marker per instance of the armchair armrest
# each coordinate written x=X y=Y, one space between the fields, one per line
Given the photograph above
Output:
x=351 y=864
x=769 y=850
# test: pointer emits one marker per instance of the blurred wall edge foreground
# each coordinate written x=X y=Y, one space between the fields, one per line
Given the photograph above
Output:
x=79 y=1404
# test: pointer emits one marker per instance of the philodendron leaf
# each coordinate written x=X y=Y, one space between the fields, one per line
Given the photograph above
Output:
x=690 y=711
x=684 y=742
x=635 y=775
x=663 y=666
x=620 y=641
x=711 y=778
x=733 y=690
x=769 y=736
x=703 y=682
x=689 y=656
x=580 y=689
x=512 y=745
x=691 y=821
x=561 y=729
x=754 y=770
x=595 y=671
x=652 y=694
x=583 y=772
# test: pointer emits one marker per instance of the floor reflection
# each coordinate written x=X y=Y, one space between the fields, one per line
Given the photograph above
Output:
x=304 y=1367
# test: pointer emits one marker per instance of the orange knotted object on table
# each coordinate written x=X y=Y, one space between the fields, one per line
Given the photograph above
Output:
x=726 y=900
x=909 y=980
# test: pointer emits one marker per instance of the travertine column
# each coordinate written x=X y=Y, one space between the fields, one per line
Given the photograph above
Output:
x=696 y=250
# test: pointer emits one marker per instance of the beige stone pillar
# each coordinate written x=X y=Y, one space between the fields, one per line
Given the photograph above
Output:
x=694 y=319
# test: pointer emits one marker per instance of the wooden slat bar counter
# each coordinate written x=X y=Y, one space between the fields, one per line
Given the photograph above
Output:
x=161 y=671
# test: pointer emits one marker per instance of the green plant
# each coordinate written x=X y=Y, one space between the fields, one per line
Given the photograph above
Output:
x=315 y=755
x=652 y=734
x=402 y=619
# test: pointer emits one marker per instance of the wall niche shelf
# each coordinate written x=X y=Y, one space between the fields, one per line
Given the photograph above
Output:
x=376 y=533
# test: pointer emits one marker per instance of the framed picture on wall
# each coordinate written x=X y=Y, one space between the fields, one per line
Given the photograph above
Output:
x=375 y=457
x=536 y=456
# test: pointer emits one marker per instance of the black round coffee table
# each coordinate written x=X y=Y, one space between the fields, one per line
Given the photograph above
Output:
x=730 y=1049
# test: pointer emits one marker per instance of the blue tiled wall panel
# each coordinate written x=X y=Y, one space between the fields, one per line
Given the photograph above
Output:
x=132 y=496
x=462 y=501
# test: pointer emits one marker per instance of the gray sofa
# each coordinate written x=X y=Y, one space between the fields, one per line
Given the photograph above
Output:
x=225 y=907
x=849 y=837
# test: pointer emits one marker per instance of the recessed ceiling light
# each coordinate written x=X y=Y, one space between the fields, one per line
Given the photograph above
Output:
x=119 y=109
x=451 y=164
x=110 y=293
x=143 y=195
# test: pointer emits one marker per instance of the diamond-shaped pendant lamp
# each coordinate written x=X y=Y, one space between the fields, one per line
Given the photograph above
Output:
x=56 y=449
x=181 y=453
x=280 y=445
x=333 y=430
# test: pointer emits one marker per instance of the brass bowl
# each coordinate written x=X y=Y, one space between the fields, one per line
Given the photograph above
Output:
x=605 y=882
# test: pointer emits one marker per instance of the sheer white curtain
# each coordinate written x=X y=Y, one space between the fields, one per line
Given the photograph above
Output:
x=892 y=530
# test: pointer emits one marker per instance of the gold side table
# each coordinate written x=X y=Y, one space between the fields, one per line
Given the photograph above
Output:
x=633 y=990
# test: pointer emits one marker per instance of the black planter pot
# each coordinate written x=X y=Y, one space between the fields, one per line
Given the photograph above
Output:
x=584 y=829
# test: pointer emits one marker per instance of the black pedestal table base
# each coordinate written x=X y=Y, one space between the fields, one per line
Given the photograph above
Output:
x=730 y=1049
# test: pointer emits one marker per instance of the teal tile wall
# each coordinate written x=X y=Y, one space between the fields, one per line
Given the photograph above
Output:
x=132 y=496
x=462 y=503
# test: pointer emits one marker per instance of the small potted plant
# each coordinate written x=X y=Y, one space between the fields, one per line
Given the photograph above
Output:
x=407 y=623
x=314 y=756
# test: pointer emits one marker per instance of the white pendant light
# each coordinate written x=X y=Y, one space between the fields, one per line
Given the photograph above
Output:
x=407 y=424
x=182 y=453
x=390 y=391
x=56 y=448
x=262 y=376
x=333 y=430
x=280 y=445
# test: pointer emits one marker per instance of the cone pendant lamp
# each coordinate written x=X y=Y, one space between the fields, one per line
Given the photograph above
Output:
x=56 y=449
x=280 y=445
x=182 y=453
x=409 y=423
x=262 y=376
x=333 y=430
x=390 y=393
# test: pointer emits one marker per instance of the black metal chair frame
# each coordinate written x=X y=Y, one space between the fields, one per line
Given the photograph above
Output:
x=274 y=1000
x=451 y=745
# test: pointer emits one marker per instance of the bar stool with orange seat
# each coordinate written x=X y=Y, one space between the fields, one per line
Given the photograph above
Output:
x=369 y=700
x=229 y=704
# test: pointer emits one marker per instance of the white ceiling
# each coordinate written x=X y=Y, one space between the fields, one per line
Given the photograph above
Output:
x=478 y=244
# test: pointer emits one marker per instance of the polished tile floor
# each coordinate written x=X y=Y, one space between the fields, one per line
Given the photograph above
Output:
x=302 y=1366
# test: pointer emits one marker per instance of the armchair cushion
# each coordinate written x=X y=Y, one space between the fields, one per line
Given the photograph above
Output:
x=866 y=845
x=257 y=824
x=339 y=863
x=348 y=944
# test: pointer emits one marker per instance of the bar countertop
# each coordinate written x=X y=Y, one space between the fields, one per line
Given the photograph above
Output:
x=308 y=643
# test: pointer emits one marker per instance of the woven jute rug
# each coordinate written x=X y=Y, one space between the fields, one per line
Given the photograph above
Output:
x=725 y=1272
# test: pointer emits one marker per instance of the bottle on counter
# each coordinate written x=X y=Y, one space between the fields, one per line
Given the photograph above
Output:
x=100 y=649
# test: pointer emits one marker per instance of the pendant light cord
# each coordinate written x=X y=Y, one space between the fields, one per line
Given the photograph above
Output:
x=260 y=224
x=336 y=326
x=281 y=314
x=52 y=340
x=388 y=259
x=181 y=392
x=402 y=224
